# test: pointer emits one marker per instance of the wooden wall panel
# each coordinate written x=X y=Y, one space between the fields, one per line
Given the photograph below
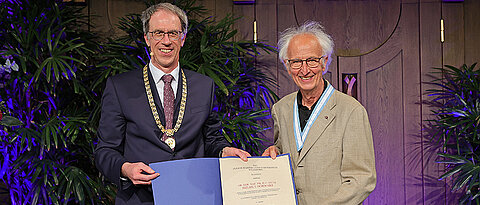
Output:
x=222 y=8
x=472 y=31
x=411 y=97
x=356 y=26
x=210 y=4
x=384 y=104
x=381 y=93
x=285 y=19
x=100 y=19
x=245 y=24
x=453 y=54
x=431 y=56
x=266 y=32
x=216 y=9
x=105 y=14
x=403 y=117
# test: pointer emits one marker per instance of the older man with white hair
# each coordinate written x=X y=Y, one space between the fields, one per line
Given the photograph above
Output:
x=326 y=132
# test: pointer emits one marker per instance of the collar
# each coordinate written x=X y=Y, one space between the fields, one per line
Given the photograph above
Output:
x=299 y=96
x=157 y=73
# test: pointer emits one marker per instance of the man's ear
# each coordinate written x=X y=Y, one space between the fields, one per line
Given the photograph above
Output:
x=146 y=39
x=183 y=40
x=324 y=64
x=285 y=63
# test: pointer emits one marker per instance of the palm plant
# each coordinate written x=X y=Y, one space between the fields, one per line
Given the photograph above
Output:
x=48 y=158
x=243 y=92
x=456 y=106
x=51 y=88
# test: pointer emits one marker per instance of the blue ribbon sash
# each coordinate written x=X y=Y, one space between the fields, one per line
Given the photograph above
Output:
x=300 y=135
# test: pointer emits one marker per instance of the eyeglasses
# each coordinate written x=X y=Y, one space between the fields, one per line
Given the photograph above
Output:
x=298 y=63
x=172 y=35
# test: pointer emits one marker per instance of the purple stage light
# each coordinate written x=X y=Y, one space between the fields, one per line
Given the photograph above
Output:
x=243 y=2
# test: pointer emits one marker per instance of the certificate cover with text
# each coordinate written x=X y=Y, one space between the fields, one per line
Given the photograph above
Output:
x=228 y=181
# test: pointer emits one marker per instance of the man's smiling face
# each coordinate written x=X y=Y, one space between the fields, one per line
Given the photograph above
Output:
x=304 y=46
x=166 y=52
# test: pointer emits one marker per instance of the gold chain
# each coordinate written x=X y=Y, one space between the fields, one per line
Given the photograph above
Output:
x=168 y=132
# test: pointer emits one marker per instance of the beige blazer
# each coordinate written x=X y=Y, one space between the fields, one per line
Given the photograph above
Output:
x=337 y=163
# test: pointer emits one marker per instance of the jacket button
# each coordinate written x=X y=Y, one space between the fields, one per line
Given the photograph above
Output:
x=298 y=191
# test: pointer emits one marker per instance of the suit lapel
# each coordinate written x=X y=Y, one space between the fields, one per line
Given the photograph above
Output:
x=160 y=111
x=324 y=119
x=178 y=96
x=156 y=98
x=290 y=131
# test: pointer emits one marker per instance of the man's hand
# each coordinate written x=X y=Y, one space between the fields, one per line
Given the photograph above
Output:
x=232 y=151
x=139 y=173
x=271 y=151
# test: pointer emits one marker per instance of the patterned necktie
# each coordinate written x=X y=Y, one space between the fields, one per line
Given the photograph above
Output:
x=168 y=101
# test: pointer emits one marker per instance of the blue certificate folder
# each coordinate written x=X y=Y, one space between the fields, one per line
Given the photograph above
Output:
x=189 y=181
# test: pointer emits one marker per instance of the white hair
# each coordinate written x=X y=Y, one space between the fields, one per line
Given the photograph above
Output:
x=309 y=27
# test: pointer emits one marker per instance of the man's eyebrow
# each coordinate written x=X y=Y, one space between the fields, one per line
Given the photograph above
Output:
x=159 y=30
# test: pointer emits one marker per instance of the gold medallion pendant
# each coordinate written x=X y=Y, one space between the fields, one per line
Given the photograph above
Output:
x=170 y=142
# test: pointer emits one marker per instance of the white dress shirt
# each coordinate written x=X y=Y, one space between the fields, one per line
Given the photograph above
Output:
x=157 y=75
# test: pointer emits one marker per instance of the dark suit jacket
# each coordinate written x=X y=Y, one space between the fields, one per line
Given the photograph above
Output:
x=127 y=131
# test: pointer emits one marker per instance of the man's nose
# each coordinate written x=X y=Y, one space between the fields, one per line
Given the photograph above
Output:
x=166 y=40
x=304 y=69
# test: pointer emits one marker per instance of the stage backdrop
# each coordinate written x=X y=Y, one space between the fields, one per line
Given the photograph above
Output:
x=388 y=47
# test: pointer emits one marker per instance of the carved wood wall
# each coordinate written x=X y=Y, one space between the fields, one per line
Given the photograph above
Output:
x=390 y=46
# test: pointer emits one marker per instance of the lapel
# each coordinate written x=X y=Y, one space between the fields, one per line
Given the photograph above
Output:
x=161 y=113
x=291 y=140
x=324 y=119
x=178 y=96
x=156 y=98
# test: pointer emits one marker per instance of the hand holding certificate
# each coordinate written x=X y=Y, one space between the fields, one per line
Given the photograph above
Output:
x=230 y=180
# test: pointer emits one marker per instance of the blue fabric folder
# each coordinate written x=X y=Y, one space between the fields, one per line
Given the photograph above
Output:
x=187 y=182
x=190 y=181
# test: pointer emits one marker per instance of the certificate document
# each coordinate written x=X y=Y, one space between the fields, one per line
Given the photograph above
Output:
x=227 y=181
x=260 y=180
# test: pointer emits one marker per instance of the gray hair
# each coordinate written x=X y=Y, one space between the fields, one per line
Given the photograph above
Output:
x=147 y=14
x=309 y=27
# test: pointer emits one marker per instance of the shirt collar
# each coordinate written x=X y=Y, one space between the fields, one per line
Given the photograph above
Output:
x=157 y=73
x=299 y=96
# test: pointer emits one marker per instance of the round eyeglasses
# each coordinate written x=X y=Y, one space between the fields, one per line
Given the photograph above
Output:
x=172 y=35
x=298 y=63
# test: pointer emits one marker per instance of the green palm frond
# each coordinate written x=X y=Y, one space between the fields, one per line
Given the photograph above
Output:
x=456 y=106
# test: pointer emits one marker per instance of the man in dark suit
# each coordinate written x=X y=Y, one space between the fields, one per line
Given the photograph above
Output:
x=143 y=122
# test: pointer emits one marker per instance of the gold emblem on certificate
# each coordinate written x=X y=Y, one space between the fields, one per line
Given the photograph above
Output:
x=170 y=142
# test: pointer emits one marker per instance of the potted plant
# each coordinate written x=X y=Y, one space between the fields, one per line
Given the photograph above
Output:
x=47 y=159
x=456 y=127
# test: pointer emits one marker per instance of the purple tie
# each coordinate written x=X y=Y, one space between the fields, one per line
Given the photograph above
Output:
x=168 y=101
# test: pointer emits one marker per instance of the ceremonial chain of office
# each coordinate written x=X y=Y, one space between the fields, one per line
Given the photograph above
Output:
x=168 y=132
